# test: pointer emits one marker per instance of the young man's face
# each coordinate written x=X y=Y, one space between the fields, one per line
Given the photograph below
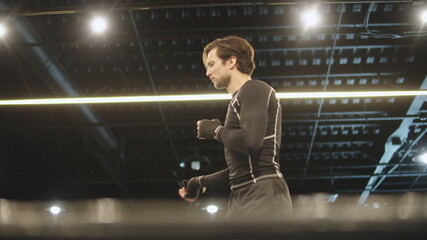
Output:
x=217 y=70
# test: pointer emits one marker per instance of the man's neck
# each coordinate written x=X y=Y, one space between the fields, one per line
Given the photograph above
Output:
x=237 y=82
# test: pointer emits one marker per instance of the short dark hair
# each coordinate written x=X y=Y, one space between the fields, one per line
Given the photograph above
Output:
x=233 y=46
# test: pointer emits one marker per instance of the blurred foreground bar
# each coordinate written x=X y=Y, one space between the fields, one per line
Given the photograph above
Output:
x=315 y=217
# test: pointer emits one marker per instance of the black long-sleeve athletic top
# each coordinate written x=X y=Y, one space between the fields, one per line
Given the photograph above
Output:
x=251 y=136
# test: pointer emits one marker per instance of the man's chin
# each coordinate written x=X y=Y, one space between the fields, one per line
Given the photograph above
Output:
x=218 y=87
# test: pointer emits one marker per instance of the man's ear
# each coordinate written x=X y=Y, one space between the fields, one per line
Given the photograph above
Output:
x=232 y=62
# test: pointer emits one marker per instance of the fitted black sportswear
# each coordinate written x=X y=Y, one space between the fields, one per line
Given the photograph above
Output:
x=251 y=136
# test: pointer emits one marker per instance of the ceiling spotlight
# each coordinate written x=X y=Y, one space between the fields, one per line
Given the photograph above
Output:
x=2 y=30
x=421 y=158
x=310 y=18
x=99 y=24
x=424 y=16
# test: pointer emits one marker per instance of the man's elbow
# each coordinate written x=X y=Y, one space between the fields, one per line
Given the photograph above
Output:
x=254 y=146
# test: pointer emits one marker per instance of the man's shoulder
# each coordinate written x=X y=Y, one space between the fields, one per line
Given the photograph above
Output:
x=254 y=89
x=255 y=83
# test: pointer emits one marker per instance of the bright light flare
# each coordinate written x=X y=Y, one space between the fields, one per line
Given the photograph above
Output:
x=212 y=209
x=2 y=30
x=310 y=18
x=99 y=24
x=424 y=16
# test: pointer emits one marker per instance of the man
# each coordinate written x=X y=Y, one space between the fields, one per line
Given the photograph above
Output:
x=251 y=135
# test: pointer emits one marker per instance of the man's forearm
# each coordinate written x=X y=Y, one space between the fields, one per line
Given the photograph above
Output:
x=216 y=179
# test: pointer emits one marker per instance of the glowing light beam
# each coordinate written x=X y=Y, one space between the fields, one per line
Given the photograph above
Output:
x=204 y=97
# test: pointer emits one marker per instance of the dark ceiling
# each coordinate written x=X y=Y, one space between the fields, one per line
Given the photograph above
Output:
x=349 y=145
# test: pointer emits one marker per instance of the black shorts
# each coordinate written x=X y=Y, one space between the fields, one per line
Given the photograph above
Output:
x=264 y=200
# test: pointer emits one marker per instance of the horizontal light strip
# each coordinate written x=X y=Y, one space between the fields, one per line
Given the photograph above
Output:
x=204 y=97
x=350 y=94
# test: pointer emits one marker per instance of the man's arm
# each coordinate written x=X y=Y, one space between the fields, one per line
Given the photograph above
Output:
x=216 y=179
x=249 y=138
x=196 y=184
